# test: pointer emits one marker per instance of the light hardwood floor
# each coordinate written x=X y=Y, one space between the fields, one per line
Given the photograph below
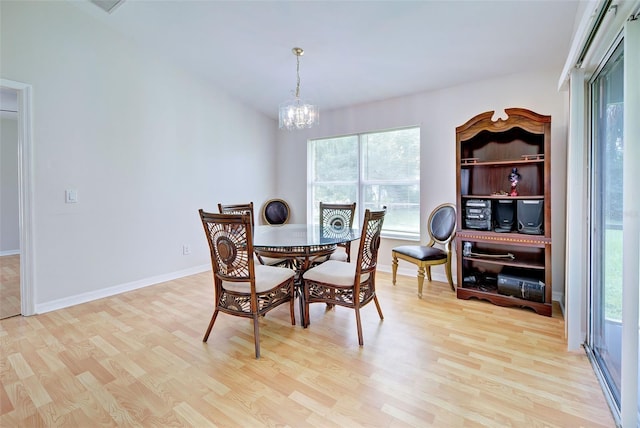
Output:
x=9 y=286
x=137 y=359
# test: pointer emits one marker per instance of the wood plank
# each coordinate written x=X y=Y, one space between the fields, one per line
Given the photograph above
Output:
x=9 y=286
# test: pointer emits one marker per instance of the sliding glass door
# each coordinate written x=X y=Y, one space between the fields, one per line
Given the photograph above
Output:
x=606 y=200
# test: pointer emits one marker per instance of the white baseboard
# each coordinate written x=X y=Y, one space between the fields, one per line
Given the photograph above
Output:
x=9 y=252
x=130 y=286
x=112 y=291
x=561 y=303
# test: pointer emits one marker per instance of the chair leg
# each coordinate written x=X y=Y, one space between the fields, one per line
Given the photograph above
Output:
x=306 y=322
x=421 y=280
x=213 y=320
x=256 y=334
x=394 y=268
x=360 y=341
x=332 y=295
x=292 y=304
x=428 y=269
x=449 y=276
x=375 y=300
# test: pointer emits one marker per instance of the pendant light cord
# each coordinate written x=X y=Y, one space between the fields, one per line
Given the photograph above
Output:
x=298 y=74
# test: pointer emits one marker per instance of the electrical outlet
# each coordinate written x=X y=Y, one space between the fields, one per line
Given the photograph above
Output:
x=186 y=249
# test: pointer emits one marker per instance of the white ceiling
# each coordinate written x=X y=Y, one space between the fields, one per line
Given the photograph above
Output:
x=355 y=51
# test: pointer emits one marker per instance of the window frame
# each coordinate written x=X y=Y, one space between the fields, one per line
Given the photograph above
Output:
x=361 y=183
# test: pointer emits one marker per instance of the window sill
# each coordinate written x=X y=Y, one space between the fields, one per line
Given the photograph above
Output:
x=405 y=236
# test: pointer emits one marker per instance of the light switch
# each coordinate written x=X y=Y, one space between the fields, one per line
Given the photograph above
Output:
x=71 y=196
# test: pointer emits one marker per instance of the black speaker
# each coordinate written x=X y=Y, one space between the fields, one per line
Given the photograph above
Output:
x=530 y=216
x=504 y=214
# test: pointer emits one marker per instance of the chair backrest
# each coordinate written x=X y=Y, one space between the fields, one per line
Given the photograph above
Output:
x=231 y=244
x=369 y=242
x=337 y=217
x=237 y=209
x=442 y=224
x=275 y=211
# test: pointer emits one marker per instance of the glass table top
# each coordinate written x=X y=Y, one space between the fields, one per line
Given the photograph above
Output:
x=301 y=235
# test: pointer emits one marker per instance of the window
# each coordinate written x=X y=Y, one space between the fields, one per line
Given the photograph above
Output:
x=375 y=170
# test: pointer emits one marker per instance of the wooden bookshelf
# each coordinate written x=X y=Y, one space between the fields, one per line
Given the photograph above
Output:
x=491 y=251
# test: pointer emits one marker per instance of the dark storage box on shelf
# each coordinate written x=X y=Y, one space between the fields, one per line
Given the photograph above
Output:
x=504 y=209
x=522 y=287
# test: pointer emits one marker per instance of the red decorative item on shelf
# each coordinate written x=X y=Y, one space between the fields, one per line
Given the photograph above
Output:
x=514 y=177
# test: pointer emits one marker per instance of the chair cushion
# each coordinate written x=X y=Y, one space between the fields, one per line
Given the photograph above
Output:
x=338 y=255
x=421 y=253
x=268 y=260
x=334 y=272
x=267 y=277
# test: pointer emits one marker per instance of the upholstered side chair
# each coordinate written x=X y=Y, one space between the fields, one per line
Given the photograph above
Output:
x=441 y=227
x=276 y=211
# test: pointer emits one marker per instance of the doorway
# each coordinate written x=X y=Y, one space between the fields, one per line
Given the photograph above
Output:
x=9 y=205
x=607 y=155
x=19 y=269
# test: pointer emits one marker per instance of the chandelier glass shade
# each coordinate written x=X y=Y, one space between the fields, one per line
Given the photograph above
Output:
x=296 y=113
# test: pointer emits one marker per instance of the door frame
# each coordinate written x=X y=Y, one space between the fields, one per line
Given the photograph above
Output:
x=25 y=193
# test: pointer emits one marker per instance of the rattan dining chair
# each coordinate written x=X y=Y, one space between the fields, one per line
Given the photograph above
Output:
x=242 y=287
x=335 y=219
x=248 y=208
x=351 y=285
x=237 y=209
x=441 y=228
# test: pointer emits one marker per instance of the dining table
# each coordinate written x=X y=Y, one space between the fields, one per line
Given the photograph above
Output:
x=302 y=245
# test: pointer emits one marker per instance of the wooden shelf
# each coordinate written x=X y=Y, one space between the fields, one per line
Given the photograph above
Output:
x=496 y=163
x=503 y=300
x=515 y=198
x=505 y=262
x=512 y=238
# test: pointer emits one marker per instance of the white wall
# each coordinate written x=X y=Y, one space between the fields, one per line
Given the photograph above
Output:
x=438 y=114
x=143 y=143
x=9 y=236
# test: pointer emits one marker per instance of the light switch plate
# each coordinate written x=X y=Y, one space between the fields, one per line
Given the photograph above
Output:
x=71 y=196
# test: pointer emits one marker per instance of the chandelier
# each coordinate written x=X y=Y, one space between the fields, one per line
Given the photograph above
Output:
x=296 y=113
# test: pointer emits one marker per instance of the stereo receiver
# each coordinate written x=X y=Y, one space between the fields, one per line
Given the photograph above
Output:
x=478 y=214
